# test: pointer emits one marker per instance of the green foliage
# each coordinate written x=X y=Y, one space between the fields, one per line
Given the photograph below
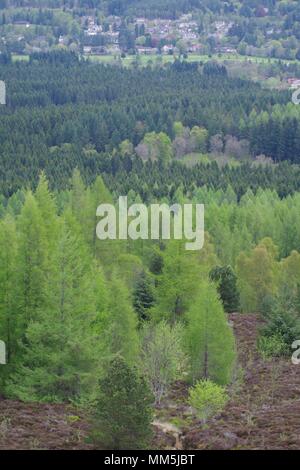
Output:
x=277 y=337
x=257 y=275
x=207 y=398
x=33 y=266
x=268 y=306
x=156 y=147
x=272 y=346
x=8 y=306
x=123 y=412
x=143 y=297
x=214 y=69
x=121 y=335
x=200 y=139
x=59 y=350
x=61 y=319
x=227 y=287
x=90 y=123
x=70 y=305
x=209 y=339
x=163 y=357
x=65 y=311
x=177 y=284
x=156 y=262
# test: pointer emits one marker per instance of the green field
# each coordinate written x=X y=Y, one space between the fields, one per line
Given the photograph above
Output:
x=17 y=58
x=146 y=59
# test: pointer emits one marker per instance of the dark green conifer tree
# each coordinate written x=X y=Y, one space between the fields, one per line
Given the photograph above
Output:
x=227 y=287
x=123 y=413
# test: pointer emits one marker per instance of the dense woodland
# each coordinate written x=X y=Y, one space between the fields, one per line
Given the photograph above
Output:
x=62 y=114
x=257 y=28
x=103 y=323
x=77 y=312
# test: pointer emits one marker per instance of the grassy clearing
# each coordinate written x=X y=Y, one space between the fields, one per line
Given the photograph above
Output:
x=19 y=57
x=144 y=60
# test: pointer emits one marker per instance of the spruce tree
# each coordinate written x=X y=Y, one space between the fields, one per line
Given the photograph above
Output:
x=227 y=288
x=156 y=262
x=143 y=297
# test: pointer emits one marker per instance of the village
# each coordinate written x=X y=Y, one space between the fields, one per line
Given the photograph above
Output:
x=143 y=36
x=139 y=39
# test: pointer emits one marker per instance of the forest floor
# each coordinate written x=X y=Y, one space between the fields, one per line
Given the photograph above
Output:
x=263 y=413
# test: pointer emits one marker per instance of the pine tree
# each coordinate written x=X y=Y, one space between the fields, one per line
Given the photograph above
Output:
x=123 y=414
x=156 y=262
x=209 y=339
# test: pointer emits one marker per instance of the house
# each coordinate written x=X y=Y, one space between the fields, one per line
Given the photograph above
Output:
x=141 y=21
x=98 y=50
x=167 y=49
x=114 y=49
x=294 y=83
x=112 y=38
x=194 y=48
x=22 y=23
x=63 y=40
x=147 y=50
x=226 y=50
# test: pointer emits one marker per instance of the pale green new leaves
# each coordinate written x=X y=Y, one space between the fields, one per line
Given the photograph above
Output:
x=209 y=338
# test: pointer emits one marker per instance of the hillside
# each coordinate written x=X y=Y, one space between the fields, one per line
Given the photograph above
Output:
x=90 y=112
x=263 y=412
x=149 y=190
x=256 y=28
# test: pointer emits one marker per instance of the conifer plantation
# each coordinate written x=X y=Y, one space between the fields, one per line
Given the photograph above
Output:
x=83 y=317
x=140 y=344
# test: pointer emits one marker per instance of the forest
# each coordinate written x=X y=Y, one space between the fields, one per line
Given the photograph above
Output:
x=140 y=344
x=85 y=112
x=77 y=313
